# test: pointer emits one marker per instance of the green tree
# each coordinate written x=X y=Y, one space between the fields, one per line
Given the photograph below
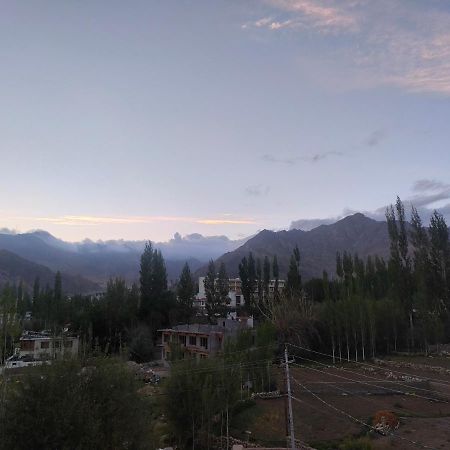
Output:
x=276 y=275
x=68 y=406
x=146 y=281
x=216 y=291
x=440 y=257
x=223 y=288
x=266 y=277
x=294 y=281
x=400 y=270
x=259 y=285
x=186 y=293
x=157 y=303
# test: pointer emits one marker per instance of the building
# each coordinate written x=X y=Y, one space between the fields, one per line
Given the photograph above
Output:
x=199 y=340
x=44 y=345
x=16 y=361
x=236 y=298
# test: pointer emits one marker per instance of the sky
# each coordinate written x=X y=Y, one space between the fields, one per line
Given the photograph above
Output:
x=141 y=119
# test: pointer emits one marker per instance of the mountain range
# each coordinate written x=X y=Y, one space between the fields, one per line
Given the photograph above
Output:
x=14 y=269
x=355 y=234
x=86 y=266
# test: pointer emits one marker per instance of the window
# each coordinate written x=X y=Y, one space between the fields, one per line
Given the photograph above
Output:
x=204 y=342
x=202 y=356
x=238 y=300
x=192 y=340
x=45 y=344
x=57 y=344
x=166 y=338
x=68 y=344
x=27 y=345
x=183 y=340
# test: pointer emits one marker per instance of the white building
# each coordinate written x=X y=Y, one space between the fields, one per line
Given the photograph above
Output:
x=44 y=346
x=16 y=361
x=235 y=293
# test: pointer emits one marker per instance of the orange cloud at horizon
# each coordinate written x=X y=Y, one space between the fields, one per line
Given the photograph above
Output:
x=100 y=220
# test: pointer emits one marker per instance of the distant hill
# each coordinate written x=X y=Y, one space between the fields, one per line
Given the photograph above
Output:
x=14 y=269
x=356 y=234
x=96 y=261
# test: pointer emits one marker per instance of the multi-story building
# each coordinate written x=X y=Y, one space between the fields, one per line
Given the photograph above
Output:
x=37 y=347
x=199 y=340
x=236 y=298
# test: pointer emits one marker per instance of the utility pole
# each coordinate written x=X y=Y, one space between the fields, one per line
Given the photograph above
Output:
x=288 y=386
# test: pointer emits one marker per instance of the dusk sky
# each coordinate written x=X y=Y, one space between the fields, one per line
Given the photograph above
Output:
x=140 y=119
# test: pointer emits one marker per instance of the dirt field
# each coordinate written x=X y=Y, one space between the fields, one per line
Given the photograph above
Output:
x=333 y=403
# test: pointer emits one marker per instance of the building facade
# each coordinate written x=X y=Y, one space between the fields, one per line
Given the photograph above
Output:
x=37 y=347
x=236 y=298
x=199 y=341
x=47 y=346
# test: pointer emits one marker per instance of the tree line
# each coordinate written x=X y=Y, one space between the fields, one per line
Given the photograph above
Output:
x=124 y=319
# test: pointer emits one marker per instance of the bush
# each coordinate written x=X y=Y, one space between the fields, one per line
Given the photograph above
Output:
x=67 y=406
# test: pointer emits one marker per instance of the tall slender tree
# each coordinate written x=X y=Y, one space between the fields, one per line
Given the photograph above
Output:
x=266 y=277
x=276 y=275
x=185 y=293
x=294 y=282
x=216 y=291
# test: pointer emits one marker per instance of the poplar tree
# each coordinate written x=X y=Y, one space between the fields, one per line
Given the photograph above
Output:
x=440 y=257
x=259 y=283
x=146 y=278
x=186 y=292
x=294 y=281
x=155 y=302
x=266 y=278
x=247 y=274
x=216 y=291
x=276 y=275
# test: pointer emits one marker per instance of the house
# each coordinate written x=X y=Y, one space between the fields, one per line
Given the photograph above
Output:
x=16 y=361
x=44 y=346
x=199 y=340
x=236 y=298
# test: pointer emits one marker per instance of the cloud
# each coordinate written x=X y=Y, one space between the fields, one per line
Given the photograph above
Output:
x=226 y=221
x=307 y=14
x=99 y=220
x=310 y=224
x=257 y=190
x=425 y=195
x=426 y=185
x=294 y=160
x=274 y=159
x=375 y=138
x=7 y=231
x=371 y=43
x=428 y=192
x=319 y=156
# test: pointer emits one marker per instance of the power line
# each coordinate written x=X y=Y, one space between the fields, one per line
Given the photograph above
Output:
x=288 y=387
x=437 y=381
x=350 y=381
x=355 y=419
x=377 y=379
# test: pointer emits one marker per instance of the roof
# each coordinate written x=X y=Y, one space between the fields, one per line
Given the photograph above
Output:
x=226 y=325
x=24 y=358
x=42 y=336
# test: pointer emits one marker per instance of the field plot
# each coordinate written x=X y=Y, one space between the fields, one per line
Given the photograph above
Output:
x=332 y=403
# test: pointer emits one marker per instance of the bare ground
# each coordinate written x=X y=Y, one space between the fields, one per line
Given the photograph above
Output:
x=334 y=403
